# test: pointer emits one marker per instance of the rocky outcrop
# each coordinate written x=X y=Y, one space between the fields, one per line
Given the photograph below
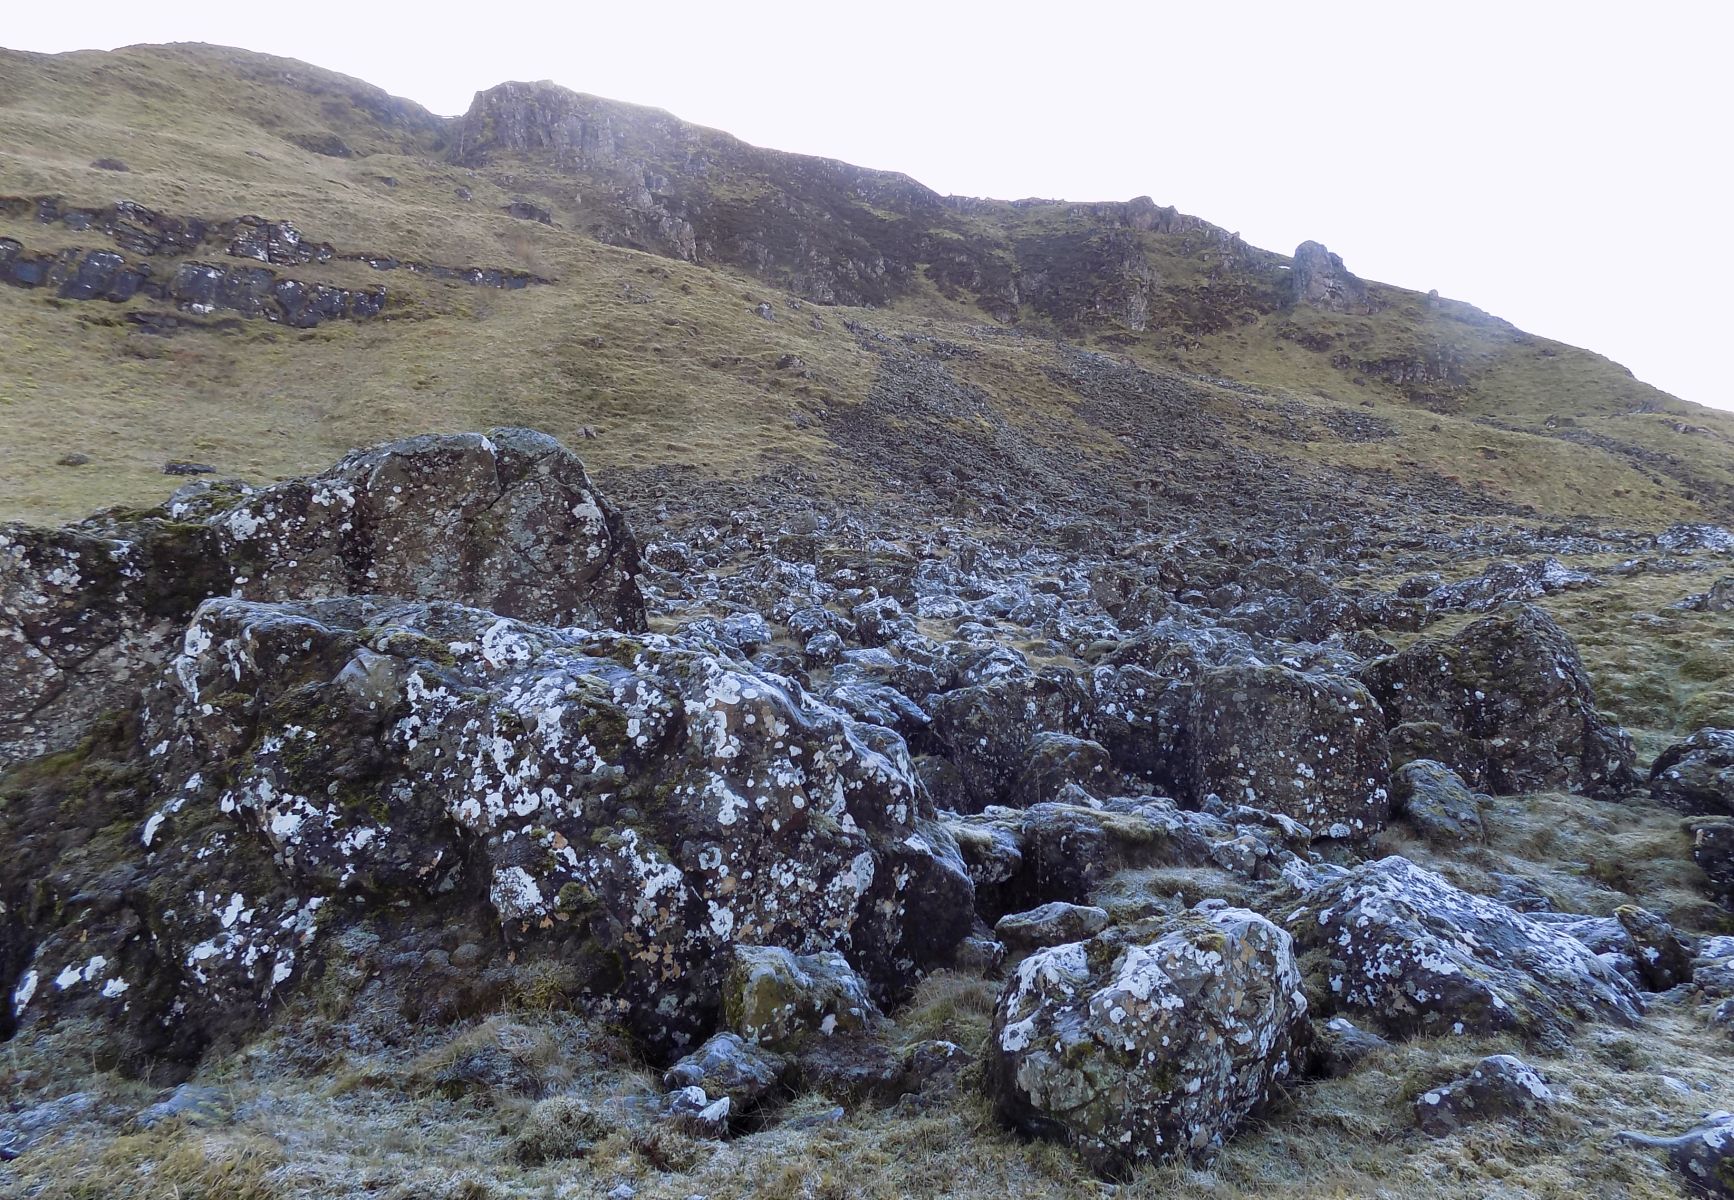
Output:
x=1410 y=953
x=507 y=521
x=1138 y=1048
x=1696 y=775
x=194 y=287
x=1311 y=747
x=631 y=807
x=1318 y=279
x=1506 y=704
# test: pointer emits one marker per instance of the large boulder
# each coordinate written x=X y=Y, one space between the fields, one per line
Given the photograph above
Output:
x=506 y=521
x=1309 y=746
x=1696 y=775
x=1436 y=803
x=1506 y=704
x=1396 y=944
x=629 y=808
x=1143 y=1047
x=990 y=730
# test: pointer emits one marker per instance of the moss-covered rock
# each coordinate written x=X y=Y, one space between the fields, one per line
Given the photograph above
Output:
x=1142 y=1047
x=1506 y=704
x=1403 y=948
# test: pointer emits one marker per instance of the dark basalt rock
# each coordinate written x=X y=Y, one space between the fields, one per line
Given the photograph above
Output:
x=1696 y=775
x=1414 y=955
x=1140 y=1047
x=1506 y=704
x=1309 y=746
x=508 y=520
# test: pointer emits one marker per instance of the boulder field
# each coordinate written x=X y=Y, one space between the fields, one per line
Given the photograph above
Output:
x=433 y=722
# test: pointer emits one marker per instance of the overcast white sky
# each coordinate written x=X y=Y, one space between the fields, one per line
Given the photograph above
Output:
x=1563 y=165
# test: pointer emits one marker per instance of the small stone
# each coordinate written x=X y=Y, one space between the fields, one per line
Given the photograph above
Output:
x=75 y=459
x=190 y=1103
x=1339 y=1046
x=188 y=468
x=1050 y=925
x=1500 y=1087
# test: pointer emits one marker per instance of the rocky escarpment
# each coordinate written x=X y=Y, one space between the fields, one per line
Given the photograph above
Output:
x=202 y=287
x=194 y=287
x=1319 y=279
x=838 y=234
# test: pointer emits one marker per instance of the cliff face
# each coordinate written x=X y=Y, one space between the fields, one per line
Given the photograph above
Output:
x=825 y=230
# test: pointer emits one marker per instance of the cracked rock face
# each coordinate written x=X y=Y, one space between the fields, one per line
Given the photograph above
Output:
x=1414 y=955
x=1137 y=1050
x=1311 y=747
x=634 y=806
x=1506 y=704
x=508 y=521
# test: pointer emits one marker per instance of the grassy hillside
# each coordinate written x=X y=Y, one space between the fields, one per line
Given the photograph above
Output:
x=666 y=360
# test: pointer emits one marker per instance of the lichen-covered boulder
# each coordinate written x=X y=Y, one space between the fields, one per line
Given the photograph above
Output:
x=1308 y=746
x=728 y=1065
x=1436 y=803
x=1506 y=704
x=1703 y=1155
x=1052 y=924
x=507 y=521
x=988 y=730
x=1500 y=1087
x=1713 y=851
x=1143 y=1046
x=1398 y=945
x=778 y=1000
x=1696 y=775
x=631 y=808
